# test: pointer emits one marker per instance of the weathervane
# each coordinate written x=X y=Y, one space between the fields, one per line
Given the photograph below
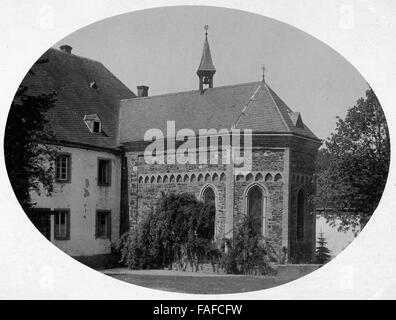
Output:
x=206 y=27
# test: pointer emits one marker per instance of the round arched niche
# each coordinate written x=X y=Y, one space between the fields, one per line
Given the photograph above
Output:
x=209 y=195
x=255 y=207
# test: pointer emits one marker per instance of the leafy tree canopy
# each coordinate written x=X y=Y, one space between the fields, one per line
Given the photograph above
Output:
x=353 y=166
x=27 y=157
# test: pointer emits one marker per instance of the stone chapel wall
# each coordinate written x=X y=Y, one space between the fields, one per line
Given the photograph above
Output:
x=147 y=181
x=302 y=178
x=268 y=172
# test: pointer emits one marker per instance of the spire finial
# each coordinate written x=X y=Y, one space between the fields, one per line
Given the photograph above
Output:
x=263 y=68
x=206 y=69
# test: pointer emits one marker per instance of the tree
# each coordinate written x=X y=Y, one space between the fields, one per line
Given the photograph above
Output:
x=322 y=252
x=27 y=154
x=353 y=166
x=180 y=230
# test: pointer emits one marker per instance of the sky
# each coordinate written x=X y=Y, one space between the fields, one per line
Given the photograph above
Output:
x=336 y=241
x=162 y=47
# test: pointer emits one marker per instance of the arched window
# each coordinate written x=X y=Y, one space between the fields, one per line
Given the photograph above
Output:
x=208 y=196
x=300 y=214
x=165 y=180
x=255 y=205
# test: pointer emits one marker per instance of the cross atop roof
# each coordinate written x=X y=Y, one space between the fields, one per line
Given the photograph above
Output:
x=206 y=27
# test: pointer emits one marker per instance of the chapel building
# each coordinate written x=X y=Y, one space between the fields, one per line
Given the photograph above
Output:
x=276 y=188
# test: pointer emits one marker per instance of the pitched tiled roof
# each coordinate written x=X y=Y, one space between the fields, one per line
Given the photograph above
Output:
x=71 y=77
x=244 y=106
x=206 y=59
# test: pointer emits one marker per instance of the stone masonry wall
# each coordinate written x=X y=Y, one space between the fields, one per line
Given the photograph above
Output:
x=267 y=172
x=281 y=172
x=302 y=178
x=146 y=182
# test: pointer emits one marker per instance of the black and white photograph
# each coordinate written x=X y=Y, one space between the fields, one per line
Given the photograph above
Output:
x=199 y=150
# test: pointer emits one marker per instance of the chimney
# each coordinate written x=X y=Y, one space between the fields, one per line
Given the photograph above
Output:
x=66 y=48
x=142 y=91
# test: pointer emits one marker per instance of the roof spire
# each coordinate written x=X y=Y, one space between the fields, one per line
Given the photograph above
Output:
x=206 y=69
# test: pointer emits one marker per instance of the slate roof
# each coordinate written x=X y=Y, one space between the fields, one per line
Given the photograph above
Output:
x=251 y=105
x=206 y=63
x=71 y=77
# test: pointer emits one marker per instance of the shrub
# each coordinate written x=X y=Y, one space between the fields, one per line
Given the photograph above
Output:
x=250 y=253
x=180 y=231
x=301 y=253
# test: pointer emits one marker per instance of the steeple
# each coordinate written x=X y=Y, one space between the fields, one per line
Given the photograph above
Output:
x=206 y=69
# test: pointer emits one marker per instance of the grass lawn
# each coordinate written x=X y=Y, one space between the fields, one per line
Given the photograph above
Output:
x=202 y=284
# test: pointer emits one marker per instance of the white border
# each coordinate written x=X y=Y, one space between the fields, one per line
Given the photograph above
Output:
x=32 y=268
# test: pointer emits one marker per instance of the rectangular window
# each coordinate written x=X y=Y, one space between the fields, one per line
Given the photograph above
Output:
x=62 y=224
x=96 y=126
x=62 y=168
x=104 y=172
x=103 y=224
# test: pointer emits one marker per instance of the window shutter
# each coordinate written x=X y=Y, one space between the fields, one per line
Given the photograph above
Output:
x=97 y=224
x=68 y=178
x=68 y=224
x=109 y=225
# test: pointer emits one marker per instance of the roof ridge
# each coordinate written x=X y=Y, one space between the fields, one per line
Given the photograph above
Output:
x=277 y=107
x=98 y=63
x=292 y=127
x=191 y=91
x=74 y=55
x=246 y=105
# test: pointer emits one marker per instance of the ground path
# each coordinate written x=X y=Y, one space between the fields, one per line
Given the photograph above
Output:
x=197 y=282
